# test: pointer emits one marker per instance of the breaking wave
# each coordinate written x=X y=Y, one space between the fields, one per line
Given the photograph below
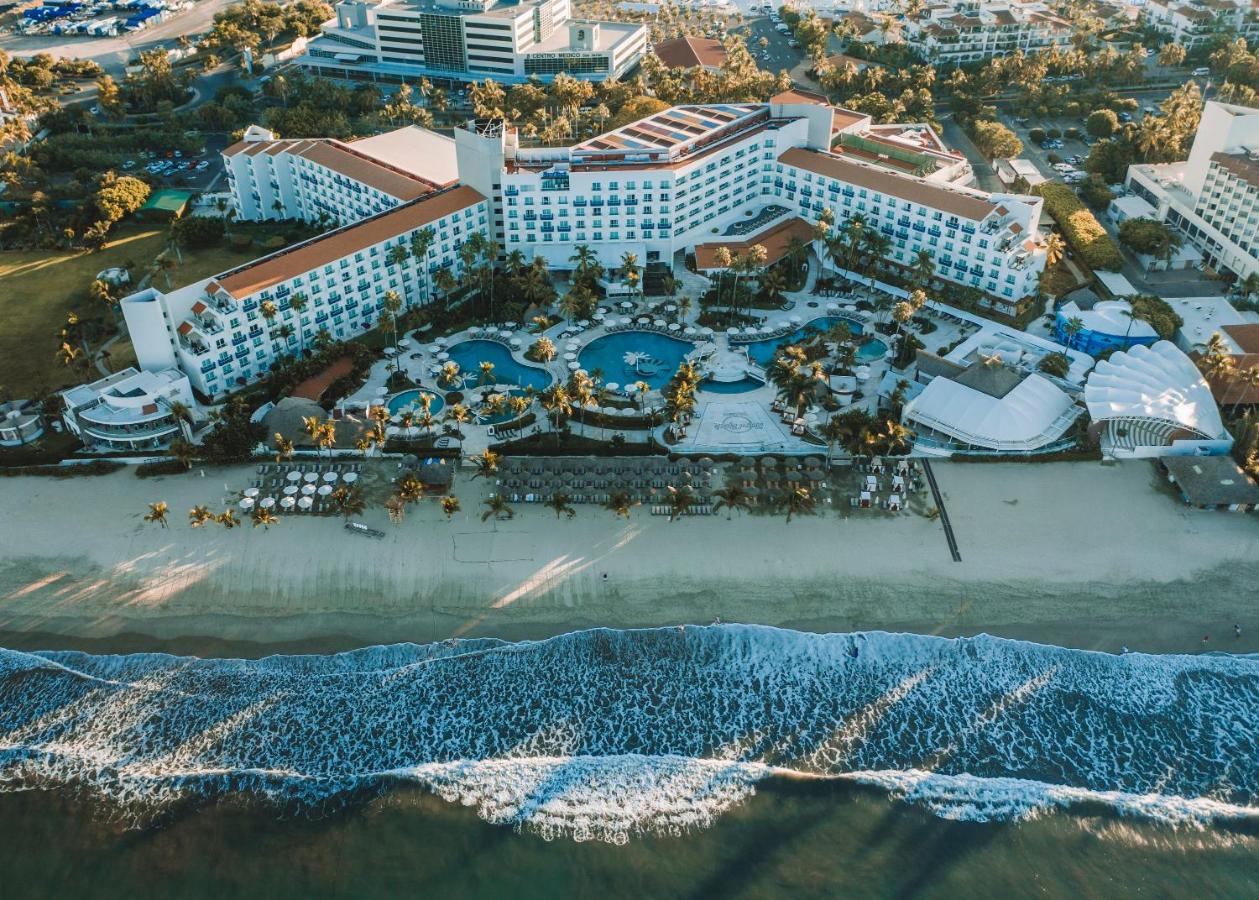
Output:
x=607 y=734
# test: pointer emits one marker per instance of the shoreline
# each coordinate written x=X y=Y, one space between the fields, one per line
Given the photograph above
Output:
x=1070 y=554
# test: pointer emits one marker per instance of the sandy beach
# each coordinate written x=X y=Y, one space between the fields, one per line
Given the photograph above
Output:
x=1081 y=555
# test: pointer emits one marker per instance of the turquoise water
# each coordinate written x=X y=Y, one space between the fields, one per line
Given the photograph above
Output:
x=731 y=387
x=608 y=355
x=411 y=400
x=505 y=416
x=763 y=352
x=470 y=354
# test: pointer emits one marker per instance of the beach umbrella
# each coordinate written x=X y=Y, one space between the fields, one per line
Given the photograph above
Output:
x=311 y=476
x=730 y=331
x=643 y=320
x=506 y=333
x=812 y=462
x=706 y=462
x=246 y=503
x=325 y=490
x=670 y=307
x=815 y=475
x=382 y=392
x=308 y=489
x=441 y=340
x=474 y=329
x=515 y=342
x=659 y=323
x=350 y=477
x=689 y=331
x=267 y=502
x=832 y=307
x=434 y=348
x=584 y=323
x=330 y=477
x=706 y=332
x=294 y=475
x=796 y=320
x=793 y=476
x=305 y=503
x=251 y=492
x=570 y=356
x=625 y=321
x=290 y=489
x=288 y=503
x=572 y=345
x=612 y=386
x=573 y=365
x=404 y=343
x=674 y=326
x=443 y=356
x=625 y=304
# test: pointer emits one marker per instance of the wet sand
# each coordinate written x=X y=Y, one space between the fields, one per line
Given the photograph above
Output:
x=1079 y=555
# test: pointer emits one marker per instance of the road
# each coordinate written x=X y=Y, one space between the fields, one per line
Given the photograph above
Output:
x=113 y=53
x=777 y=55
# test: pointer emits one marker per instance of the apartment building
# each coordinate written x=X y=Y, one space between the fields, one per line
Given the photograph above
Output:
x=129 y=409
x=467 y=40
x=1213 y=197
x=1194 y=22
x=327 y=180
x=692 y=175
x=954 y=33
x=218 y=331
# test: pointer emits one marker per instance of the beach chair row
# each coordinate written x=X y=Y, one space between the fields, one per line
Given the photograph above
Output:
x=701 y=510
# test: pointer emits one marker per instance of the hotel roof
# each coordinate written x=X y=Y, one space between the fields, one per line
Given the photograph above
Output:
x=342 y=158
x=947 y=199
x=672 y=129
x=689 y=52
x=248 y=279
x=775 y=240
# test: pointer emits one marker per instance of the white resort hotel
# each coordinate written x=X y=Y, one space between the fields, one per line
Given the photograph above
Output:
x=680 y=181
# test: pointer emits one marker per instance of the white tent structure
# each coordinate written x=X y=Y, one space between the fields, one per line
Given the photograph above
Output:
x=1153 y=401
x=989 y=408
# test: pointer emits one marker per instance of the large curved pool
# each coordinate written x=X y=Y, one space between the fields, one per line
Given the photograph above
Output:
x=762 y=352
x=470 y=354
x=657 y=357
x=411 y=400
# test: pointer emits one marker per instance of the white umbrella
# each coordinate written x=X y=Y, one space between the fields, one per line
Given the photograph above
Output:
x=330 y=477
x=350 y=477
x=625 y=304
x=674 y=326
x=443 y=356
x=625 y=321
x=434 y=348
x=288 y=503
x=440 y=341
x=290 y=489
x=311 y=476
x=689 y=330
x=305 y=503
x=574 y=366
x=382 y=392
x=251 y=492
x=796 y=320
x=706 y=332
x=612 y=386
x=308 y=489
x=669 y=307
x=832 y=307
x=584 y=323
x=246 y=503
x=515 y=342
x=404 y=343
x=267 y=502
x=294 y=476
x=643 y=320
x=506 y=333
x=474 y=329
x=751 y=329
x=325 y=490
x=570 y=356
x=731 y=330
x=600 y=316
x=659 y=323
x=572 y=345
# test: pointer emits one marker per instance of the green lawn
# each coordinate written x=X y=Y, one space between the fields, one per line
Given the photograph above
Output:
x=38 y=288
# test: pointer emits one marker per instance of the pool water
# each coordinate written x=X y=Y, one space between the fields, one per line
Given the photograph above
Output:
x=607 y=354
x=474 y=401
x=411 y=400
x=762 y=352
x=742 y=386
x=470 y=354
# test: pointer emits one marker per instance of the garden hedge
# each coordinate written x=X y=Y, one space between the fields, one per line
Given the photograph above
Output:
x=1080 y=228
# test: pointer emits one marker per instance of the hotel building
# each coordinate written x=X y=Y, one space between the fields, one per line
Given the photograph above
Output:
x=1213 y=197
x=1193 y=23
x=129 y=409
x=215 y=330
x=726 y=173
x=954 y=33
x=467 y=40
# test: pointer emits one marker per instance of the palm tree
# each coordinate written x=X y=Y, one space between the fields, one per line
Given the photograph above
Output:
x=297 y=303
x=680 y=500
x=799 y=502
x=832 y=432
x=460 y=415
x=629 y=266
x=445 y=282
x=620 y=503
x=496 y=506
x=228 y=519
x=924 y=269
x=1071 y=328
x=393 y=302
x=450 y=506
x=561 y=504
x=312 y=425
x=732 y=497
x=486 y=464
x=543 y=349
x=410 y=489
x=264 y=517
x=349 y=501
x=1055 y=248
x=199 y=515
x=157 y=513
x=555 y=401
x=487 y=373
x=184 y=451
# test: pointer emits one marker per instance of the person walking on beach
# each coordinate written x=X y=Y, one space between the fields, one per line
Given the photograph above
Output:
x=1237 y=631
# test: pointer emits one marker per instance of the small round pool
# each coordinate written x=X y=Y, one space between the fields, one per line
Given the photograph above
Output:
x=629 y=356
x=411 y=400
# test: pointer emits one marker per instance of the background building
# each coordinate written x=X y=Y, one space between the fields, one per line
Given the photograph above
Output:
x=1213 y=197
x=1107 y=325
x=467 y=40
x=130 y=410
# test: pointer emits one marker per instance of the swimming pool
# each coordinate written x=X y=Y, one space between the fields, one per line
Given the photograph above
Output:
x=762 y=352
x=661 y=356
x=742 y=386
x=411 y=400
x=470 y=354
x=483 y=418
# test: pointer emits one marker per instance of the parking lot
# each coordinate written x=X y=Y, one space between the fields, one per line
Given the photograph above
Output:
x=778 y=54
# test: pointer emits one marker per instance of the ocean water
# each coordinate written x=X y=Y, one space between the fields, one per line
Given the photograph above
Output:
x=718 y=761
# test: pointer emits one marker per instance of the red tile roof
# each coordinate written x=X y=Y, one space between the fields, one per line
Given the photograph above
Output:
x=689 y=52
x=775 y=240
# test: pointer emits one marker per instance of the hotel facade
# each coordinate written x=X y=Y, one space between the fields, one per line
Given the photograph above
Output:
x=684 y=180
x=465 y=40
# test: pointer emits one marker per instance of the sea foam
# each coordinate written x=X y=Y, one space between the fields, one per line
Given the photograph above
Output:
x=604 y=734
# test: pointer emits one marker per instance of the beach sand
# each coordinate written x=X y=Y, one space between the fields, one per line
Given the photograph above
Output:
x=1076 y=554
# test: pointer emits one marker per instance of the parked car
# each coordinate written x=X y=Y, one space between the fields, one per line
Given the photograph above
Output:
x=1201 y=72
